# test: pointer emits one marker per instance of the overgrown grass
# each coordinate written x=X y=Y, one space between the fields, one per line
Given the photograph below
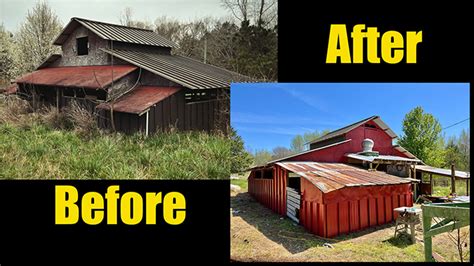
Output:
x=442 y=186
x=40 y=146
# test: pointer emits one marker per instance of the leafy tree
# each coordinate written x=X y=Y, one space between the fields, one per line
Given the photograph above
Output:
x=261 y=157
x=241 y=158
x=464 y=146
x=280 y=152
x=298 y=142
x=36 y=35
x=452 y=155
x=8 y=60
x=422 y=136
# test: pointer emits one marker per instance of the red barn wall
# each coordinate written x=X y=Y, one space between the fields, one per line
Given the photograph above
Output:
x=335 y=154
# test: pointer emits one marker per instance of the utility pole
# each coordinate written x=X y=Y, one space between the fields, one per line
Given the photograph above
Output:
x=205 y=50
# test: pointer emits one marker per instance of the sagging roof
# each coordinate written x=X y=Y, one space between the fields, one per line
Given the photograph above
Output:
x=182 y=70
x=333 y=176
x=381 y=158
x=48 y=61
x=115 y=32
x=13 y=88
x=140 y=99
x=442 y=172
x=350 y=127
x=89 y=77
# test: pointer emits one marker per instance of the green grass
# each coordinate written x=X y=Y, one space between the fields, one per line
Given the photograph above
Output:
x=40 y=152
x=242 y=183
x=441 y=188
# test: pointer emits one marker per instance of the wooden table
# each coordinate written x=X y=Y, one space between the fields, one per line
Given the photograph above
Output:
x=407 y=216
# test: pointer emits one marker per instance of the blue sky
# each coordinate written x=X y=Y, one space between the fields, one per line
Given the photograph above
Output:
x=267 y=115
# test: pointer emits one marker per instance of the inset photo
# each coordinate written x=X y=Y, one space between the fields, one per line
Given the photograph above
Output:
x=351 y=172
x=126 y=91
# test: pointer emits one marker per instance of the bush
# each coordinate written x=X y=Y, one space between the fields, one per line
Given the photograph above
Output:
x=83 y=122
x=13 y=108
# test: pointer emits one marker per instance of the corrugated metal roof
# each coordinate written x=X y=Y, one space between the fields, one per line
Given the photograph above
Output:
x=182 y=70
x=441 y=171
x=91 y=77
x=51 y=59
x=140 y=99
x=332 y=176
x=350 y=127
x=381 y=158
x=115 y=32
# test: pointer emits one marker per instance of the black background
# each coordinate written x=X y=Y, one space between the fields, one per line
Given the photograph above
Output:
x=27 y=230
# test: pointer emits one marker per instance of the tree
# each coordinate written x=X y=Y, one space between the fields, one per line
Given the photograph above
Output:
x=262 y=13
x=452 y=155
x=241 y=158
x=280 y=152
x=261 y=157
x=299 y=141
x=422 y=136
x=8 y=60
x=464 y=147
x=36 y=35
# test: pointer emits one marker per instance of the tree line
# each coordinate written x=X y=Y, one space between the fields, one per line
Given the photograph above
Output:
x=422 y=136
x=244 y=42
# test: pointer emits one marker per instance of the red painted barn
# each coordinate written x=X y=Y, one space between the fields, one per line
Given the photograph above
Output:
x=350 y=179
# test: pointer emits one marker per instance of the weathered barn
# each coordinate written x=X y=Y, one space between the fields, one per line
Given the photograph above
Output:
x=339 y=186
x=131 y=78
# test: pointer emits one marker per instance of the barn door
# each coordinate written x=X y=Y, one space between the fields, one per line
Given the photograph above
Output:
x=293 y=203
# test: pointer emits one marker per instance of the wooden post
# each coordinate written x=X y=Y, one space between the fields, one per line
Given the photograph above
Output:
x=453 y=179
x=431 y=184
x=415 y=184
x=57 y=99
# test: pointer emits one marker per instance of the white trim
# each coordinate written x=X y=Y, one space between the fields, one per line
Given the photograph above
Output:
x=147 y=118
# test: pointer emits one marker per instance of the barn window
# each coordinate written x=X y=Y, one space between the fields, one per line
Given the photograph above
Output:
x=258 y=174
x=268 y=173
x=370 y=126
x=82 y=46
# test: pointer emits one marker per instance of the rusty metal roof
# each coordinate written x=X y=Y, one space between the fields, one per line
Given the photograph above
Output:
x=114 y=32
x=182 y=70
x=442 y=172
x=332 y=176
x=13 y=88
x=90 y=77
x=381 y=158
x=350 y=127
x=140 y=99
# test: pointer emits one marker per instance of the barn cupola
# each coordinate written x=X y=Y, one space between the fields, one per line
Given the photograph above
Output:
x=367 y=146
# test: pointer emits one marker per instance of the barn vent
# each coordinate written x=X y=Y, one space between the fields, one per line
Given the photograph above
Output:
x=367 y=146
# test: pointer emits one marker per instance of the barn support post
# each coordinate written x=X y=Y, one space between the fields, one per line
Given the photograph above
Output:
x=431 y=183
x=453 y=179
x=467 y=187
x=57 y=99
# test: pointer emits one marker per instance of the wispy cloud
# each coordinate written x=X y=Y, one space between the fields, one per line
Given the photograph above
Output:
x=288 y=131
x=309 y=100
x=304 y=122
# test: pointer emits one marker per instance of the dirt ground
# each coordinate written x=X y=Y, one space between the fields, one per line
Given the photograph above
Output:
x=258 y=234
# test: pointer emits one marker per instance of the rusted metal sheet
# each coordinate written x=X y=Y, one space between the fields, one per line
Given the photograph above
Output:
x=333 y=176
x=182 y=70
x=89 y=77
x=140 y=99
x=115 y=32
x=13 y=88
x=440 y=171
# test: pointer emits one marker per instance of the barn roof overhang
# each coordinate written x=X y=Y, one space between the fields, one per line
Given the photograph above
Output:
x=184 y=71
x=328 y=177
x=382 y=159
x=442 y=172
x=297 y=154
x=140 y=99
x=88 y=77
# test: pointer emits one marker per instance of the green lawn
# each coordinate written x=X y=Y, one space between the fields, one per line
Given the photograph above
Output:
x=41 y=152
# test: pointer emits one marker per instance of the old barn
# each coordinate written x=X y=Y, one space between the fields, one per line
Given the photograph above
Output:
x=131 y=78
x=349 y=179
